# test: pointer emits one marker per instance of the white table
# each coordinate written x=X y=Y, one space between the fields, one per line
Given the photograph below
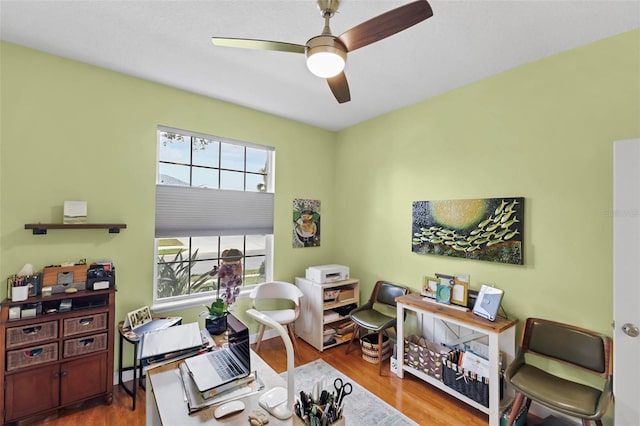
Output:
x=464 y=326
x=166 y=404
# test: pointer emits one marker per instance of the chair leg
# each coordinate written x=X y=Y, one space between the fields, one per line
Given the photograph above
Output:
x=293 y=339
x=515 y=408
x=356 y=331
x=380 y=353
x=260 y=334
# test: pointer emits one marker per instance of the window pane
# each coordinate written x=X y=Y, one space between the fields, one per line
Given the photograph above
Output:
x=232 y=156
x=175 y=148
x=205 y=152
x=254 y=272
x=173 y=249
x=231 y=180
x=205 y=178
x=201 y=281
x=173 y=266
x=255 y=183
x=256 y=160
x=207 y=248
x=171 y=174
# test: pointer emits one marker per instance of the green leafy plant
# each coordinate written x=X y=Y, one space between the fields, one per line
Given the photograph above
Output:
x=175 y=278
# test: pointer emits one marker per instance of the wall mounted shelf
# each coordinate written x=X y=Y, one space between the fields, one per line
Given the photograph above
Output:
x=41 y=228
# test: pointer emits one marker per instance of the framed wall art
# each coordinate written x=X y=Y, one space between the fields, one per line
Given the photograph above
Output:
x=306 y=223
x=488 y=229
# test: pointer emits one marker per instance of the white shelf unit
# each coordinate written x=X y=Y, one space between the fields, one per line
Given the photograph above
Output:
x=311 y=322
x=442 y=324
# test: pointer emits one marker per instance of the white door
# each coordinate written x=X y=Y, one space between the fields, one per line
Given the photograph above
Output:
x=626 y=281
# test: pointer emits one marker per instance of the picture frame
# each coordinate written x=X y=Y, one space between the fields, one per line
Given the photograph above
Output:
x=429 y=287
x=138 y=317
x=443 y=292
x=459 y=292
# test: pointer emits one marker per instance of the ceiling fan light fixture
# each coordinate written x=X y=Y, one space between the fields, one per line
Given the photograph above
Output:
x=326 y=57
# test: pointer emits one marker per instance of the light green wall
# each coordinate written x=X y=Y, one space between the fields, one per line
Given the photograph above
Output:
x=71 y=131
x=542 y=131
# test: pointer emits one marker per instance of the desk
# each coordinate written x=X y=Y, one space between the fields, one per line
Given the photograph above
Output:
x=499 y=333
x=126 y=335
x=166 y=404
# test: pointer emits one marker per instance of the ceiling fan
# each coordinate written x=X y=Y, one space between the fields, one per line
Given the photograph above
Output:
x=327 y=54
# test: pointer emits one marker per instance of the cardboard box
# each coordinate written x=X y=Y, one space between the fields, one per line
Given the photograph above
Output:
x=54 y=275
x=346 y=294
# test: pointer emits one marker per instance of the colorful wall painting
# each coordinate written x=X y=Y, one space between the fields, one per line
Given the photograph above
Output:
x=488 y=229
x=306 y=223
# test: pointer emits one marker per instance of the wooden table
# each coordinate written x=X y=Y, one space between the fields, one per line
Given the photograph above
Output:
x=166 y=404
x=500 y=335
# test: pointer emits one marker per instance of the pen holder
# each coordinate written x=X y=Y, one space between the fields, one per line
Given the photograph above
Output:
x=18 y=294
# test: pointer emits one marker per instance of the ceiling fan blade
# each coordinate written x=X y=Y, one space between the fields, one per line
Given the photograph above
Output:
x=258 y=44
x=385 y=25
x=340 y=88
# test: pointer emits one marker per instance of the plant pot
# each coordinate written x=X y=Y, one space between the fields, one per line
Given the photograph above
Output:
x=216 y=326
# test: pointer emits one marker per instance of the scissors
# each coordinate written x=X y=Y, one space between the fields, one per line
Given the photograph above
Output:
x=342 y=388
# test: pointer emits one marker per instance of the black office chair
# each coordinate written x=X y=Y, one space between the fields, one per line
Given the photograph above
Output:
x=378 y=314
x=578 y=348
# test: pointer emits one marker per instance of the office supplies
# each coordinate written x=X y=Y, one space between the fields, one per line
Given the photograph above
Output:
x=224 y=365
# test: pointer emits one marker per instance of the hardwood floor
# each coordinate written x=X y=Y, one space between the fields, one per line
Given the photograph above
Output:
x=421 y=402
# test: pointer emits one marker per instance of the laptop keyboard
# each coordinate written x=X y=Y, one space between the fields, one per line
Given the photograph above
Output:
x=225 y=365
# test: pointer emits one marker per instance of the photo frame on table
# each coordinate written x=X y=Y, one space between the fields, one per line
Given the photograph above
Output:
x=459 y=292
x=138 y=317
x=443 y=292
x=430 y=287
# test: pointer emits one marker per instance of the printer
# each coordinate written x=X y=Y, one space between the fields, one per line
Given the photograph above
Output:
x=327 y=273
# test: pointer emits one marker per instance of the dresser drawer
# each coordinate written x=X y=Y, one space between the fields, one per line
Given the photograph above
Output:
x=84 y=345
x=26 y=334
x=85 y=324
x=33 y=355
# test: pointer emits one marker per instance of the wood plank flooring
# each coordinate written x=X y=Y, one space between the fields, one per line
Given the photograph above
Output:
x=421 y=402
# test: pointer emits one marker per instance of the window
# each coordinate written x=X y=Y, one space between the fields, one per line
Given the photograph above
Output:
x=212 y=195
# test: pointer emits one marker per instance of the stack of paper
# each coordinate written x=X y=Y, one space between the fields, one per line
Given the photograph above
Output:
x=170 y=343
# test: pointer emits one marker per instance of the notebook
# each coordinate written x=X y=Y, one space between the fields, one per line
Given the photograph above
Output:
x=224 y=365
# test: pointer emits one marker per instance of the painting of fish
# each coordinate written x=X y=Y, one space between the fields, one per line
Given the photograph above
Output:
x=490 y=229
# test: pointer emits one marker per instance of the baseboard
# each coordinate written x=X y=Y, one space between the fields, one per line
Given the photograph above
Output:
x=268 y=334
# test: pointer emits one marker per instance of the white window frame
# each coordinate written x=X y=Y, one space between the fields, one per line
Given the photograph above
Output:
x=199 y=299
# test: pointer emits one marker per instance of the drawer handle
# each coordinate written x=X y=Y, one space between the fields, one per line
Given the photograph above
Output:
x=86 y=321
x=87 y=342
x=32 y=330
x=33 y=353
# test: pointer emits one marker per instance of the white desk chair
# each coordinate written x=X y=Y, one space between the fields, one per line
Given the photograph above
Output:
x=277 y=290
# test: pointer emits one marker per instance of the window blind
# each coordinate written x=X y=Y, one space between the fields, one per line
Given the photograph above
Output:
x=197 y=212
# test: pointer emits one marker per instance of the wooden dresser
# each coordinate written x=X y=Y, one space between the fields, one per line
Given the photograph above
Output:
x=55 y=359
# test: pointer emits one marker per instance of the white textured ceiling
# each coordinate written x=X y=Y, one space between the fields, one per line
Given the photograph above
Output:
x=169 y=42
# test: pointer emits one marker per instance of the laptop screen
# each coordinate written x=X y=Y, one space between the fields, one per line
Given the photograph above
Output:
x=239 y=340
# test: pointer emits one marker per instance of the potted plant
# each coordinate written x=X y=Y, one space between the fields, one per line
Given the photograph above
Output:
x=229 y=282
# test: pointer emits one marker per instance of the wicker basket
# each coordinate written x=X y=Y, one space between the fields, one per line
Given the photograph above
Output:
x=84 y=345
x=26 y=334
x=26 y=357
x=369 y=346
x=85 y=324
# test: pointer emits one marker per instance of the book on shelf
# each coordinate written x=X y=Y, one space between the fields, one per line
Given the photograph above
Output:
x=195 y=400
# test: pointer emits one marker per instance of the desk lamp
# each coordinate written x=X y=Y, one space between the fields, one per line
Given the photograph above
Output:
x=278 y=401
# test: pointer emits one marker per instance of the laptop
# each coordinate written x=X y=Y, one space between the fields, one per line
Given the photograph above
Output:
x=224 y=365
